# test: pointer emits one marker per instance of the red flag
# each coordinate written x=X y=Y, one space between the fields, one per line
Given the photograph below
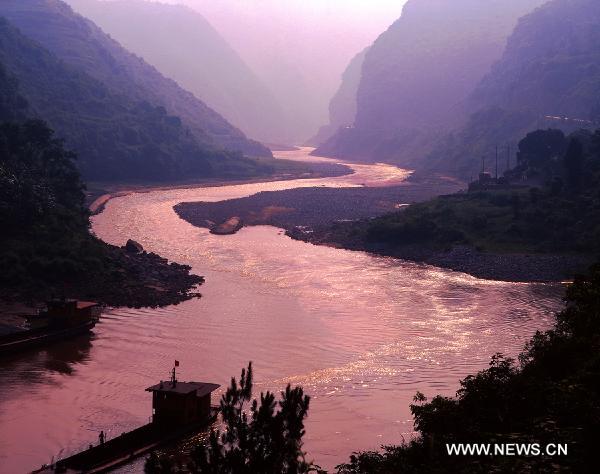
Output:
x=176 y=363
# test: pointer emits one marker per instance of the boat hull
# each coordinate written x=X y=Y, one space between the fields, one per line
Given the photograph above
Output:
x=123 y=449
x=40 y=337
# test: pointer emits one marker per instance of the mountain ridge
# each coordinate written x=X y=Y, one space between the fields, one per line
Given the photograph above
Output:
x=417 y=73
x=547 y=77
x=80 y=43
x=343 y=105
x=181 y=44
x=116 y=137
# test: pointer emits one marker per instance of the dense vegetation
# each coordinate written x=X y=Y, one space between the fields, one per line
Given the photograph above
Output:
x=82 y=45
x=258 y=437
x=46 y=249
x=551 y=395
x=116 y=137
x=12 y=104
x=548 y=203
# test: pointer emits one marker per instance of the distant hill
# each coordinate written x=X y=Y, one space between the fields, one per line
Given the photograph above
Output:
x=548 y=77
x=81 y=44
x=182 y=45
x=417 y=73
x=342 y=107
x=115 y=136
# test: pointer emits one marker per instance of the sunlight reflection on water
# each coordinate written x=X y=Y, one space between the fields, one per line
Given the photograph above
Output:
x=361 y=333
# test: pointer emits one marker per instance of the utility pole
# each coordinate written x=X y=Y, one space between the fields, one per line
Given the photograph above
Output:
x=496 y=162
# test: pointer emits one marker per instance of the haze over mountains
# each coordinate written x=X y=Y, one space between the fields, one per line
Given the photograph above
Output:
x=123 y=117
x=448 y=82
x=343 y=106
x=299 y=48
x=182 y=45
x=548 y=77
x=418 y=72
x=115 y=136
x=443 y=86
x=550 y=64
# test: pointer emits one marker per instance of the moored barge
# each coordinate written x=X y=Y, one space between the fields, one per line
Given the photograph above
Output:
x=179 y=409
x=61 y=319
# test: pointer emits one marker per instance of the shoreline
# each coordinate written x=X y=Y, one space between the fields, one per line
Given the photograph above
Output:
x=518 y=268
x=96 y=205
x=513 y=268
x=293 y=212
x=310 y=207
x=129 y=277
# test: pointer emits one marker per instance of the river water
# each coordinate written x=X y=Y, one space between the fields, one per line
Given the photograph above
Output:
x=360 y=333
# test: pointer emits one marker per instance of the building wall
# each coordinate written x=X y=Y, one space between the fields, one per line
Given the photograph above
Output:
x=171 y=408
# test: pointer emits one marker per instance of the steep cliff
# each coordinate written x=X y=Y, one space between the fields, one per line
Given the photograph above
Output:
x=342 y=107
x=417 y=74
x=548 y=77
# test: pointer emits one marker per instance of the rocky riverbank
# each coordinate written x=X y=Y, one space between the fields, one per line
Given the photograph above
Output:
x=465 y=259
x=121 y=276
x=339 y=217
x=98 y=194
x=142 y=279
x=136 y=278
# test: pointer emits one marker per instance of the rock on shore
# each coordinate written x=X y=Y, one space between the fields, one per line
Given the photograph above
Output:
x=229 y=227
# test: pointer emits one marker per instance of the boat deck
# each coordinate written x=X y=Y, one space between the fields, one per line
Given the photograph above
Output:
x=124 y=448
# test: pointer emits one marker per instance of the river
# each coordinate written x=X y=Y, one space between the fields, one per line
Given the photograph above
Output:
x=360 y=333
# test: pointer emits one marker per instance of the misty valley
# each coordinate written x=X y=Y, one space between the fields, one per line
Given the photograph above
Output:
x=289 y=237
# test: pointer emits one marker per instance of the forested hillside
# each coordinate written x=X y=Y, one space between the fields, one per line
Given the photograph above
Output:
x=82 y=45
x=46 y=250
x=12 y=104
x=182 y=45
x=116 y=137
x=541 y=220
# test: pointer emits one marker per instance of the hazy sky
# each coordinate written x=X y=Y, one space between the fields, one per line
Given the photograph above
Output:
x=314 y=28
x=304 y=42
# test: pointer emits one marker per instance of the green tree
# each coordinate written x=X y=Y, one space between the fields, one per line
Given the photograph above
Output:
x=573 y=162
x=551 y=395
x=538 y=148
x=258 y=437
x=39 y=183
